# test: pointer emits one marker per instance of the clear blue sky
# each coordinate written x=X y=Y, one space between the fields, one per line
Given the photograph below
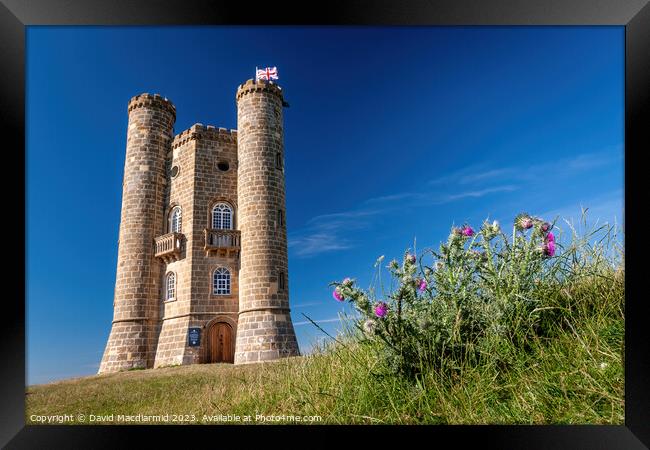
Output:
x=392 y=133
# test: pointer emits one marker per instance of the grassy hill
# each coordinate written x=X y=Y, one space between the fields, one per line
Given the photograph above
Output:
x=576 y=377
x=556 y=359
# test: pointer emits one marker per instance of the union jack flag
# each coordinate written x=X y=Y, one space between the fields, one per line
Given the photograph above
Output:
x=268 y=73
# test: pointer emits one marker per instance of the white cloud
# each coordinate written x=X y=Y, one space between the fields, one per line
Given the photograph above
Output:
x=307 y=322
x=317 y=243
x=481 y=173
x=607 y=208
x=476 y=193
x=325 y=233
x=482 y=176
x=305 y=305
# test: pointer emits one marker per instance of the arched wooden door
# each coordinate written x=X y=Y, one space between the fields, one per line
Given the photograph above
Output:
x=220 y=343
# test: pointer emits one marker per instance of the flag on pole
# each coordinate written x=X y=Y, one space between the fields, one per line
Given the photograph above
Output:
x=268 y=73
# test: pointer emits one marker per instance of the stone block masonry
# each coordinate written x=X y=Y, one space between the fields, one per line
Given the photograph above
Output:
x=132 y=341
x=265 y=330
x=193 y=172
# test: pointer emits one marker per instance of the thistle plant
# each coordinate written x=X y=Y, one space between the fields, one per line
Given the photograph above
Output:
x=449 y=306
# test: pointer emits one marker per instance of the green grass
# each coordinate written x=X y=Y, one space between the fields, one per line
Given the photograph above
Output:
x=572 y=375
x=559 y=363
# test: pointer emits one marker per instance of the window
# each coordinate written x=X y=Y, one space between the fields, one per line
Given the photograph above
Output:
x=223 y=166
x=281 y=281
x=278 y=160
x=280 y=218
x=170 y=285
x=221 y=281
x=174 y=171
x=175 y=220
x=222 y=217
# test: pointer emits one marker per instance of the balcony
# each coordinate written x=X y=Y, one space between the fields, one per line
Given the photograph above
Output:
x=222 y=242
x=168 y=247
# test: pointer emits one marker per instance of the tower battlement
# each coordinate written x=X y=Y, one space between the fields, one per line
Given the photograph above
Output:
x=202 y=270
x=259 y=86
x=199 y=131
x=152 y=101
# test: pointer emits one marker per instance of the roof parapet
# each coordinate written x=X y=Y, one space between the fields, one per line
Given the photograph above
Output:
x=152 y=100
x=259 y=86
x=199 y=131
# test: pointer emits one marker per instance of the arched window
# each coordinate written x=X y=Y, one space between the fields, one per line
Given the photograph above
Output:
x=222 y=216
x=170 y=285
x=221 y=281
x=175 y=220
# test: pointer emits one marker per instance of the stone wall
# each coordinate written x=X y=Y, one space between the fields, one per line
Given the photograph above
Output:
x=172 y=339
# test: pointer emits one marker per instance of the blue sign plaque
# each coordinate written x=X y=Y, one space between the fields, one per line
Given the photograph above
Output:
x=194 y=337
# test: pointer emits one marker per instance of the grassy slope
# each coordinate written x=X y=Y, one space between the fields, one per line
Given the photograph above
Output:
x=575 y=376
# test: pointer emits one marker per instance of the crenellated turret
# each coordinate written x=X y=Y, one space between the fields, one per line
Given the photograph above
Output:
x=132 y=341
x=264 y=329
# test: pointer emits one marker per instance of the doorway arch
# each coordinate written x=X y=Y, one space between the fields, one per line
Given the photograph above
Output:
x=220 y=342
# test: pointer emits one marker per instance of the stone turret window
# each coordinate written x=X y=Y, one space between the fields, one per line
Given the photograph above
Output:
x=278 y=160
x=222 y=217
x=170 y=284
x=281 y=281
x=175 y=220
x=280 y=220
x=221 y=281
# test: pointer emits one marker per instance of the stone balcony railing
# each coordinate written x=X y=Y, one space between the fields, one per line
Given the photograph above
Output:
x=168 y=246
x=222 y=242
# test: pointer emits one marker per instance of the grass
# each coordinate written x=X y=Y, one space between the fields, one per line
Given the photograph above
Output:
x=574 y=376
x=569 y=372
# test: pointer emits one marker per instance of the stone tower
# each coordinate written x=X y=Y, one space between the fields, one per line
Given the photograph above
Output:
x=132 y=341
x=265 y=330
x=202 y=273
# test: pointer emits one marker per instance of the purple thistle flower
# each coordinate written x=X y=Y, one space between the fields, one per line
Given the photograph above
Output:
x=545 y=227
x=550 y=237
x=381 y=309
x=549 y=248
x=337 y=295
x=467 y=231
x=524 y=221
x=423 y=285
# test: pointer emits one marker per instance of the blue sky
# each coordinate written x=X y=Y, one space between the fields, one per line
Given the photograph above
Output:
x=392 y=134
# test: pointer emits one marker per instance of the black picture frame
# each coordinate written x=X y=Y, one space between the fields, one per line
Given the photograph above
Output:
x=634 y=15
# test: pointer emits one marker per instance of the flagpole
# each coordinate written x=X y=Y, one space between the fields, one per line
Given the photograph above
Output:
x=255 y=74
